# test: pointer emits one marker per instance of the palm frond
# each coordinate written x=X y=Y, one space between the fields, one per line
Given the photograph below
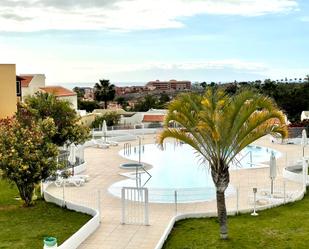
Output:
x=219 y=127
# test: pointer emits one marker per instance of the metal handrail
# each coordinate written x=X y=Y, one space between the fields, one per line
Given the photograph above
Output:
x=238 y=162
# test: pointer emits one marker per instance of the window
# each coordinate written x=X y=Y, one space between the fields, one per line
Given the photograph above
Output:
x=18 y=88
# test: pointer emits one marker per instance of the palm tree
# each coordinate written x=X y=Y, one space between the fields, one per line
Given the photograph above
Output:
x=104 y=91
x=219 y=127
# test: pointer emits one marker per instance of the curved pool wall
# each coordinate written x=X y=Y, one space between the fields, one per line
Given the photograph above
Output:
x=177 y=168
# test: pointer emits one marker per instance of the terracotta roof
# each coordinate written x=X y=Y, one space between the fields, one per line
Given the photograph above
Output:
x=153 y=118
x=26 y=80
x=58 y=91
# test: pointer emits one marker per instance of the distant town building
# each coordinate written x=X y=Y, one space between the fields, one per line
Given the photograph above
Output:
x=89 y=93
x=132 y=89
x=170 y=85
x=62 y=94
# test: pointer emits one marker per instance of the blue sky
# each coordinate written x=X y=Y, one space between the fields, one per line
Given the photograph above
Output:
x=142 y=40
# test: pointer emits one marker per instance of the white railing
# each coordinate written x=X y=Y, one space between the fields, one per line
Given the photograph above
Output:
x=289 y=189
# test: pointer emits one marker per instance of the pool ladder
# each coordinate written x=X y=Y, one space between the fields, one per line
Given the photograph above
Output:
x=127 y=149
x=238 y=162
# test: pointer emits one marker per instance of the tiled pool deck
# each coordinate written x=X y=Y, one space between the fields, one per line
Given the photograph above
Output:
x=103 y=168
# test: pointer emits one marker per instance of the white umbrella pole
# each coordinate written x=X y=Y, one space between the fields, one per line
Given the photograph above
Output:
x=305 y=167
x=272 y=171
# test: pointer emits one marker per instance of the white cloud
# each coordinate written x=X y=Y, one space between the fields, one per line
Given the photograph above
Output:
x=290 y=73
x=89 y=71
x=305 y=18
x=125 y=14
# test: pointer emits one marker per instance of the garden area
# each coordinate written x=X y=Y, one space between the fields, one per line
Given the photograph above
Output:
x=25 y=227
x=29 y=148
x=283 y=227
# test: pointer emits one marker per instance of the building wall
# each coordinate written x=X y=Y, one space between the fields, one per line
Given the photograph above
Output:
x=87 y=119
x=137 y=118
x=8 y=98
x=170 y=85
x=304 y=116
x=37 y=82
x=71 y=99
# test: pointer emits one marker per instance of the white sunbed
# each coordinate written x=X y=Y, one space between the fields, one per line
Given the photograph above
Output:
x=84 y=177
x=75 y=181
x=264 y=197
x=100 y=144
x=112 y=143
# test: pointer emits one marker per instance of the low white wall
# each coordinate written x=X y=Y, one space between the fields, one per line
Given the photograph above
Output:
x=80 y=168
x=86 y=230
x=296 y=177
x=299 y=196
x=122 y=135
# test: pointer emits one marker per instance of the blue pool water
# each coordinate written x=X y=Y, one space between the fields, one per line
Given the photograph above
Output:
x=179 y=168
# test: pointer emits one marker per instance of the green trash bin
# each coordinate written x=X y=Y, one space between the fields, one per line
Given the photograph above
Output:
x=50 y=242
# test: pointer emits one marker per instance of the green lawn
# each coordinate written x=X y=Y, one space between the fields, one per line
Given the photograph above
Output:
x=283 y=227
x=25 y=228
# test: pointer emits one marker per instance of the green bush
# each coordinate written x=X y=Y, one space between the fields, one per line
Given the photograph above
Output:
x=111 y=118
x=88 y=106
x=44 y=105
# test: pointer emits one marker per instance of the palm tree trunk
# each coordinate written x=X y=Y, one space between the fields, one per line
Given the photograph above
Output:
x=222 y=217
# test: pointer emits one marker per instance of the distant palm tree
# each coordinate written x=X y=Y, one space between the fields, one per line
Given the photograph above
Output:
x=104 y=91
x=219 y=127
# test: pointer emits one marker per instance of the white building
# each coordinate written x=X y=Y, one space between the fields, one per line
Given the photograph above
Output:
x=62 y=94
x=304 y=115
x=31 y=83
x=153 y=117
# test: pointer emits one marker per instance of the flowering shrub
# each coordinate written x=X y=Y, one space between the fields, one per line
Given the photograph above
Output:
x=44 y=105
x=27 y=154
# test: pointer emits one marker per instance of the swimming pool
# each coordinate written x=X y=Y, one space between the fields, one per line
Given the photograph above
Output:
x=178 y=168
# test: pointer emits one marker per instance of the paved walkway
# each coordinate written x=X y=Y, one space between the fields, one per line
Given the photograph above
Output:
x=103 y=168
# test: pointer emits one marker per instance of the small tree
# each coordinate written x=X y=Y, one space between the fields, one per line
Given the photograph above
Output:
x=111 y=118
x=219 y=128
x=148 y=102
x=27 y=155
x=43 y=105
x=104 y=91
x=123 y=102
x=79 y=91
x=87 y=105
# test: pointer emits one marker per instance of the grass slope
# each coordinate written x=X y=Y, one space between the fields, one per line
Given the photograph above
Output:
x=25 y=228
x=283 y=227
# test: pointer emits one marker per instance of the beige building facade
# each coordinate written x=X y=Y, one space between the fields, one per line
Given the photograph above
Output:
x=8 y=97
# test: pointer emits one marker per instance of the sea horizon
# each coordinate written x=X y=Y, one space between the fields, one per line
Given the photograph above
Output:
x=71 y=85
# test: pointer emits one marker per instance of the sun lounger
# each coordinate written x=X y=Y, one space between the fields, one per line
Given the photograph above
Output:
x=84 y=177
x=75 y=181
x=112 y=143
x=100 y=144
x=263 y=197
